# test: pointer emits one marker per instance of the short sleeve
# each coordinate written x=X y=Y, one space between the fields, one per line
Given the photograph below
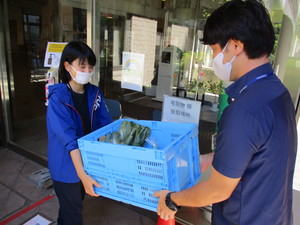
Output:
x=239 y=137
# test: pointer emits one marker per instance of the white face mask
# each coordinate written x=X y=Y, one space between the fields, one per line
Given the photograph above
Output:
x=81 y=77
x=222 y=70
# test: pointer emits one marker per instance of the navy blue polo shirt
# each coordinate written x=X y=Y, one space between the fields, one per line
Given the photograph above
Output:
x=256 y=142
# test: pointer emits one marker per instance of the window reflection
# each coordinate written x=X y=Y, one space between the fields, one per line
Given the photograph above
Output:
x=74 y=23
x=144 y=27
x=79 y=24
x=32 y=33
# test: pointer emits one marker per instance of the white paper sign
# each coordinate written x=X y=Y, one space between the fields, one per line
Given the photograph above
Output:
x=133 y=71
x=296 y=185
x=181 y=110
x=53 y=53
x=38 y=220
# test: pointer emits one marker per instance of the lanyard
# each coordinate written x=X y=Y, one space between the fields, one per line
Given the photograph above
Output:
x=254 y=80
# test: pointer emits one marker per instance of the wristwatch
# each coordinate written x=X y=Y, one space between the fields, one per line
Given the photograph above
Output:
x=171 y=205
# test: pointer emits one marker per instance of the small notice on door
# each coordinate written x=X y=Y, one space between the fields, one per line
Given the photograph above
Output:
x=53 y=53
x=133 y=71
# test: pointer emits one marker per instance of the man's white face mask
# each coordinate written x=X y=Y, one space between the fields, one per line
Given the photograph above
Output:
x=222 y=70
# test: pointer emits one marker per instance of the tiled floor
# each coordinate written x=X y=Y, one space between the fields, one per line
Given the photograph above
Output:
x=19 y=193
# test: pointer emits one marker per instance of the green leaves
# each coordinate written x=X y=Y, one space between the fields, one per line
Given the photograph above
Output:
x=130 y=133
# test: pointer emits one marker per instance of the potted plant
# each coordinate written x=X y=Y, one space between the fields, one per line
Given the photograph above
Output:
x=194 y=88
x=215 y=87
x=187 y=76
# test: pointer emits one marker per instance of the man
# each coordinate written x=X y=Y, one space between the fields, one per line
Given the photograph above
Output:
x=252 y=167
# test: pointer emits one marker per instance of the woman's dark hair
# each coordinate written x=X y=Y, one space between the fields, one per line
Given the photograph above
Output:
x=72 y=51
x=246 y=21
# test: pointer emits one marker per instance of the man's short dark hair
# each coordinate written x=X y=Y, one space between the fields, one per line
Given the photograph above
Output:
x=75 y=50
x=246 y=21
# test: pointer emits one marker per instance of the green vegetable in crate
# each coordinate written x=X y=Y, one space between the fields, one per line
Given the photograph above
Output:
x=114 y=138
x=128 y=140
x=107 y=138
x=129 y=133
x=117 y=138
x=125 y=129
x=140 y=136
x=136 y=140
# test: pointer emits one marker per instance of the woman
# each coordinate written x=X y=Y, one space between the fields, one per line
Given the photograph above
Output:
x=75 y=108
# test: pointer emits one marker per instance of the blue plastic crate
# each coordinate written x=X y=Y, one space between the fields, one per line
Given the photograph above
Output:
x=132 y=174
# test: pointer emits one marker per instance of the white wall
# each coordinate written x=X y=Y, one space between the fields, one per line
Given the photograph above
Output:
x=296 y=207
x=143 y=41
x=296 y=192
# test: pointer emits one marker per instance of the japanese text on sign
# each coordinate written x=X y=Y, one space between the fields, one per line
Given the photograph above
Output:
x=181 y=110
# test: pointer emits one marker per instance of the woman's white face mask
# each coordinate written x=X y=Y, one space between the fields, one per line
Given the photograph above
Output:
x=81 y=77
x=222 y=70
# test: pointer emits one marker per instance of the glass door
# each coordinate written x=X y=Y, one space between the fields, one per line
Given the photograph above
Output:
x=111 y=47
x=31 y=25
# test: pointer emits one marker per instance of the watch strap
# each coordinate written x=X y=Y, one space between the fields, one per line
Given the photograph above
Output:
x=170 y=204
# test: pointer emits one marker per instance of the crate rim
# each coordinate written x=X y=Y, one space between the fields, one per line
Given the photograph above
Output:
x=119 y=121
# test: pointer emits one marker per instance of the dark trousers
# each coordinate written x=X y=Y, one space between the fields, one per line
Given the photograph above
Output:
x=70 y=197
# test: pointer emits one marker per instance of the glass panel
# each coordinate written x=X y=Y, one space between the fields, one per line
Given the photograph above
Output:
x=74 y=21
x=111 y=48
x=292 y=70
x=79 y=24
x=286 y=58
x=31 y=27
x=32 y=33
x=166 y=32
x=33 y=19
x=183 y=3
x=177 y=25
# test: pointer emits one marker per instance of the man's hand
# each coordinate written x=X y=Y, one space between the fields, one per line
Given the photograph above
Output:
x=162 y=210
x=216 y=189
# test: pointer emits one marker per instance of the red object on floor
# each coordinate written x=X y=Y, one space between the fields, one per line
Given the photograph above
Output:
x=16 y=215
x=161 y=221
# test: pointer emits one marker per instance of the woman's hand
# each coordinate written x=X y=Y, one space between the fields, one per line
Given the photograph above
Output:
x=86 y=180
x=89 y=183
